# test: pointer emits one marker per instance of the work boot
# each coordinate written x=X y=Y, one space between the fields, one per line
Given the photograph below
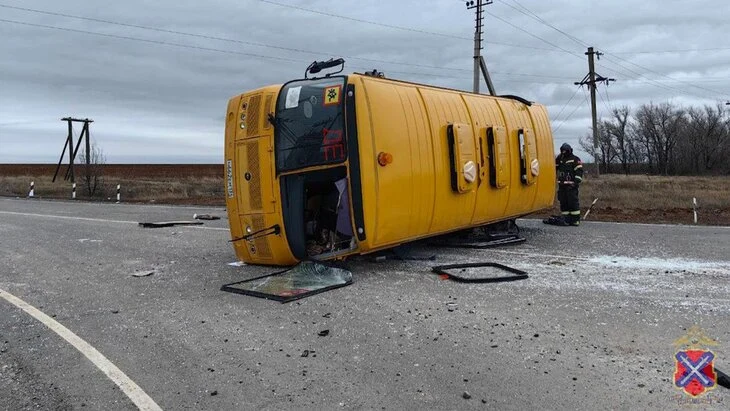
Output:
x=573 y=220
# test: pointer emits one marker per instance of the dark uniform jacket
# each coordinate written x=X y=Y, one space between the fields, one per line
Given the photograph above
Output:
x=570 y=170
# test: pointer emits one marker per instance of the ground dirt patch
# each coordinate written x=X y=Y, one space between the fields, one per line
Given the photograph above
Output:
x=634 y=198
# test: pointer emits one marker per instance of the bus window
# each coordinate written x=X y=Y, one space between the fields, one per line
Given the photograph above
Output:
x=309 y=124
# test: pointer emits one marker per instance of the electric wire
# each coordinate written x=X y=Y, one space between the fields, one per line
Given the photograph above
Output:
x=224 y=39
x=566 y=104
x=585 y=97
x=527 y=12
x=392 y=26
x=534 y=16
x=260 y=56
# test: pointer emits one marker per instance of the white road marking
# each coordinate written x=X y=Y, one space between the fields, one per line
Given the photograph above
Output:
x=132 y=390
x=67 y=217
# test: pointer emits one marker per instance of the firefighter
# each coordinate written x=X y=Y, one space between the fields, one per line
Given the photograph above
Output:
x=570 y=175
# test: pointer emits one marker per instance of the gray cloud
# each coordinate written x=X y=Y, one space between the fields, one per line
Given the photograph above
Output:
x=160 y=103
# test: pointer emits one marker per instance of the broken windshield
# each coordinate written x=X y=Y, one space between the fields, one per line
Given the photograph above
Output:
x=309 y=124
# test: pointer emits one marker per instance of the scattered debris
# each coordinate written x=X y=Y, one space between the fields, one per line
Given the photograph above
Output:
x=237 y=264
x=594 y=203
x=145 y=273
x=169 y=224
x=499 y=234
x=214 y=393
x=323 y=333
x=115 y=311
x=466 y=395
x=84 y=240
x=205 y=217
x=305 y=353
x=723 y=379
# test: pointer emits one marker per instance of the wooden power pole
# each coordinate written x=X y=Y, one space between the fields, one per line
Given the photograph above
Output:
x=591 y=79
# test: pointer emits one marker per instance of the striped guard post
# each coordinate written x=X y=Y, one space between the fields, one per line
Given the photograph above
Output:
x=31 y=193
x=119 y=195
x=73 y=191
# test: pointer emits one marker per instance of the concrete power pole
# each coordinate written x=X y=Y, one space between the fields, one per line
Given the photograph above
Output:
x=591 y=79
x=479 y=63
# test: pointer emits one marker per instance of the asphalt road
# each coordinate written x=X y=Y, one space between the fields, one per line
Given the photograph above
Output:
x=593 y=326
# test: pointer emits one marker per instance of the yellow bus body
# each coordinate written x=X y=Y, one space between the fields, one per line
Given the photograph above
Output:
x=423 y=161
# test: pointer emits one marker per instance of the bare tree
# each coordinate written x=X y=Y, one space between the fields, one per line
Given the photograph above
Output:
x=618 y=131
x=659 y=128
x=93 y=176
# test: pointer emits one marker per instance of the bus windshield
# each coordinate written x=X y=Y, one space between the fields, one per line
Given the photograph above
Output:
x=309 y=124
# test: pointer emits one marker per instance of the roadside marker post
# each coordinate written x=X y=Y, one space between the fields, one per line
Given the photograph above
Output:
x=73 y=191
x=119 y=195
x=694 y=207
x=31 y=193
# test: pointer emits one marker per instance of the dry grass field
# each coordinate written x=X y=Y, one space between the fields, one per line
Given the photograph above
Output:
x=636 y=198
x=155 y=183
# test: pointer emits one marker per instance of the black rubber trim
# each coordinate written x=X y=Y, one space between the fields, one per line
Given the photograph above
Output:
x=518 y=98
x=354 y=156
x=517 y=274
x=452 y=157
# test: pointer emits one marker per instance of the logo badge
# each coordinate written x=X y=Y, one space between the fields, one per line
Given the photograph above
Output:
x=332 y=95
x=694 y=370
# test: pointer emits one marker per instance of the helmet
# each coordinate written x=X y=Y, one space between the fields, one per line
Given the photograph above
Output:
x=566 y=147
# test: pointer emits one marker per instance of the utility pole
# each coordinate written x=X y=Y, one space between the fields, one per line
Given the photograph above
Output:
x=479 y=63
x=591 y=79
x=71 y=151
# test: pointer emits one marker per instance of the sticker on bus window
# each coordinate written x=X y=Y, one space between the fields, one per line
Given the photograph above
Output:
x=292 y=97
x=332 y=95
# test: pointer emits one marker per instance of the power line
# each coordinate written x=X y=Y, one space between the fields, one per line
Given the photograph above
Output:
x=663 y=75
x=203 y=36
x=392 y=26
x=566 y=104
x=571 y=114
x=166 y=43
x=534 y=16
x=232 y=52
x=224 y=39
x=532 y=35
x=671 y=51
x=324 y=13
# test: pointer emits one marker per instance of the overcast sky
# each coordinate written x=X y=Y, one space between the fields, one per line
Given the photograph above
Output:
x=165 y=103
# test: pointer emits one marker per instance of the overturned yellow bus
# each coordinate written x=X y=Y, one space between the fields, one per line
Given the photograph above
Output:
x=326 y=167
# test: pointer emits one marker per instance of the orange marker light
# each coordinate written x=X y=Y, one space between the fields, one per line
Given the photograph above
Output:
x=385 y=158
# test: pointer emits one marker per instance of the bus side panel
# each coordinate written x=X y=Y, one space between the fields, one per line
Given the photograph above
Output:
x=451 y=210
x=491 y=201
x=421 y=151
x=546 y=178
x=521 y=196
x=394 y=182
